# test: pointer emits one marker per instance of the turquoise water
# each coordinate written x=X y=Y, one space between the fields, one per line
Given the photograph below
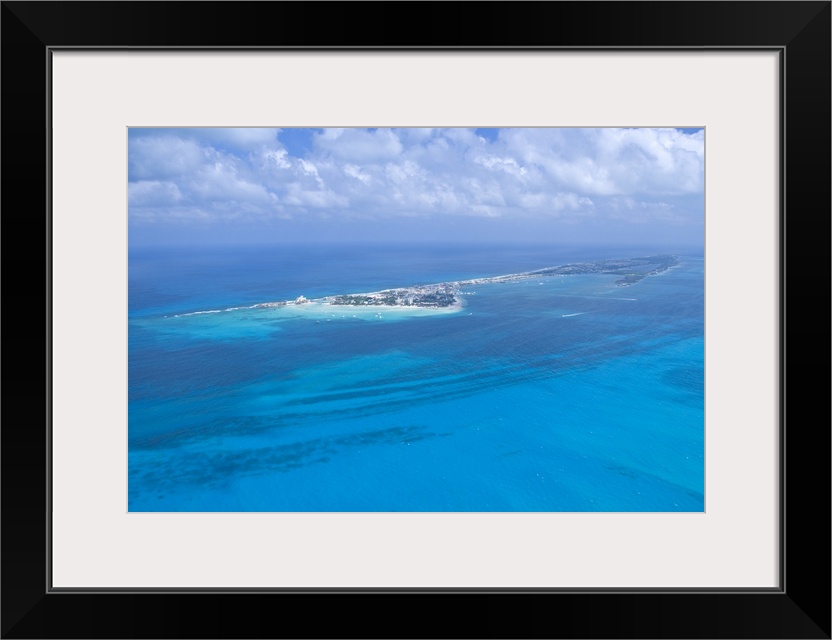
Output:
x=552 y=394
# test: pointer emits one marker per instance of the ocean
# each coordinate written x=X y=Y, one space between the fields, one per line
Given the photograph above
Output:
x=551 y=394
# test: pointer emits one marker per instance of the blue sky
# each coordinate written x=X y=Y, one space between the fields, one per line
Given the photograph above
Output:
x=243 y=185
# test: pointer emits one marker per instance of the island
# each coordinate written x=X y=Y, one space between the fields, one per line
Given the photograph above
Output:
x=447 y=294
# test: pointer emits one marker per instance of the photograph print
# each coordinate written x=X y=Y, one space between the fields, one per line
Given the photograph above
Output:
x=416 y=319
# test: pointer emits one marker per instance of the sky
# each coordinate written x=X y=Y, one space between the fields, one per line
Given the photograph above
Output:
x=611 y=186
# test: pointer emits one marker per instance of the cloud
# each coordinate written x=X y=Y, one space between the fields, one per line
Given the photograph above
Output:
x=163 y=156
x=547 y=173
x=360 y=145
x=175 y=177
x=614 y=162
x=355 y=172
x=153 y=193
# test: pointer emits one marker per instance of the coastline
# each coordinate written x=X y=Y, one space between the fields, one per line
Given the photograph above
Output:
x=323 y=309
x=446 y=297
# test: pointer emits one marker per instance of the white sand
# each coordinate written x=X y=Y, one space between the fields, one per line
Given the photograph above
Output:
x=326 y=311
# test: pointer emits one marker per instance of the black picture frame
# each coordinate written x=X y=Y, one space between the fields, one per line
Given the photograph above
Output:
x=799 y=608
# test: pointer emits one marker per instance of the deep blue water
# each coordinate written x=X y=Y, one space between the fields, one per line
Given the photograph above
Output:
x=570 y=395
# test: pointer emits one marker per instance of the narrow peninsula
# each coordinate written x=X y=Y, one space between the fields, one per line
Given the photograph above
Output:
x=447 y=294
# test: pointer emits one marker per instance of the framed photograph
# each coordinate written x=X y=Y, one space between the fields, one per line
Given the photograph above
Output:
x=499 y=312
x=397 y=321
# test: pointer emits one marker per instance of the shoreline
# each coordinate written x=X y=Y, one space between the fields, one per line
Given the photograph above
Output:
x=319 y=309
x=446 y=297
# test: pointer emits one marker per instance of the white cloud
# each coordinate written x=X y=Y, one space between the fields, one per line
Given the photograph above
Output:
x=153 y=193
x=277 y=157
x=382 y=173
x=163 y=157
x=614 y=161
x=359 y=145
x=355 y=172
x=299 y=196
